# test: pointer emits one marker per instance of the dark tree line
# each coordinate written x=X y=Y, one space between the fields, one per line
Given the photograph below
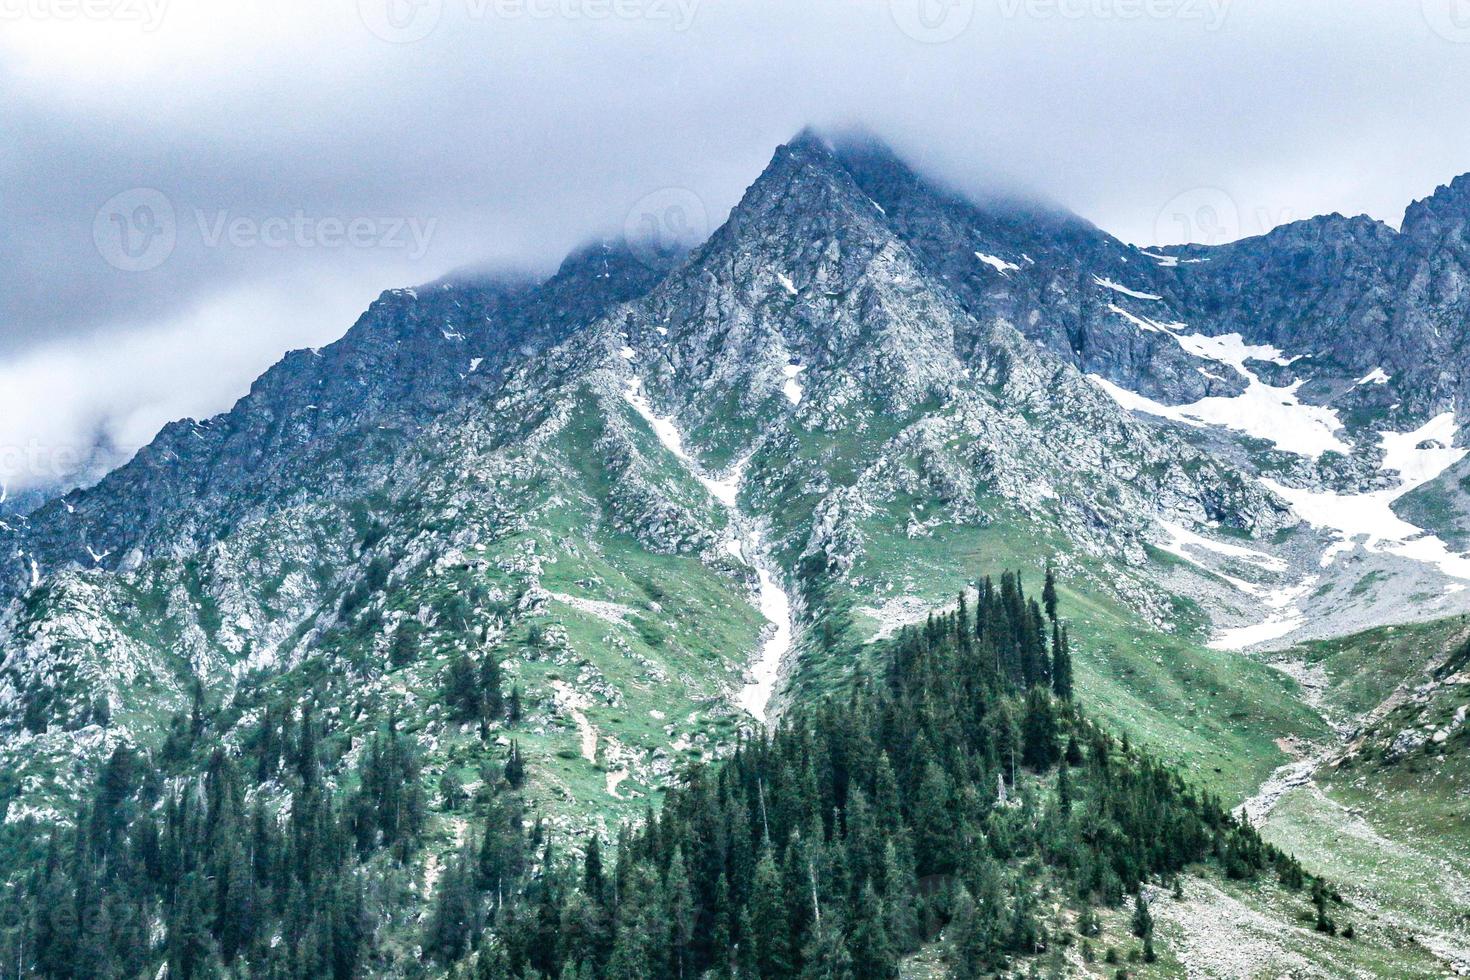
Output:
x=938 y=798
x=254 y=865
x=958 y=791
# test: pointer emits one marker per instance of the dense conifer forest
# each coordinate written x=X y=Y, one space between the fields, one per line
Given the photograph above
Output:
x=955 y=797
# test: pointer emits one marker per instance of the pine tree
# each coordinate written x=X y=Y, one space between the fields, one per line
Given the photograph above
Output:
x=1049 y=593
x=454 y=922
x=827 y=957
x=1143 y=921
x=491 y=694
x=769 y=932
x=404 y=648
x=1039 y=748
x=451 y=791
x=515 y=767
x=900 y=896
x=461 y=690
x=873 y=957
x=1319 y=903
x=1061 y=667
x=969 y=942
x=934 y=827
x=681 y=915
x=592 y=877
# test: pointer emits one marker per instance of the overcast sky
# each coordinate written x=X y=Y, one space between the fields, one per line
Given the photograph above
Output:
x=190 y=187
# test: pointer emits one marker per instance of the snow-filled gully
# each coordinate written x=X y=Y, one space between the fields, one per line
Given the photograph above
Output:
x=1277 y=415
x=746 y=544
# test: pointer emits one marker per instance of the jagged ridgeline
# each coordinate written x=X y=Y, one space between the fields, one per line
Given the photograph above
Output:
x=955 y=800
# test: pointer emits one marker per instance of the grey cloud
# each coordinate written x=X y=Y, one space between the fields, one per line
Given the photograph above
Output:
x=511 y=130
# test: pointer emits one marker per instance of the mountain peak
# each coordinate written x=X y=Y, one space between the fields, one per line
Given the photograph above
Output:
x=809 y=137
x=1445 y=212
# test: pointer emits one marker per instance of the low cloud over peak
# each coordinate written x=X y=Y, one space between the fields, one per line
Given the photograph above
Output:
x=191 y=189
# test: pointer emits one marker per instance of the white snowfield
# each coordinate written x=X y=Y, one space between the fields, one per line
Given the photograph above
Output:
x=1362 y=520
x=792 y=388
x=1182 y=537
x=1278 y=416
x=1264 y=411
x=775 y=605
x=1119 y=288
x=1144 y=323
x=1167 y=261
x=1377 y=376
x=1368 y=518
x=774 y=602
x=997 y=263
x=1286 y=617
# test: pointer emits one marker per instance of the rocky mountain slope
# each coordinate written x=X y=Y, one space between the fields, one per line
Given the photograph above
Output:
x=671 y=495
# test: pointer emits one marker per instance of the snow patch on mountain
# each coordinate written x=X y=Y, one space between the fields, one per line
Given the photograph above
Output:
x=1107 y=283
x=792 y=388
x=775 y=605
x=1377 y=376
x=1286 y=617
x=773 y=600
x=1145 y=323
x=1262 y=411
x=1368 y=518
x=1275 y=414
x=997 y=263
x=1181 y=537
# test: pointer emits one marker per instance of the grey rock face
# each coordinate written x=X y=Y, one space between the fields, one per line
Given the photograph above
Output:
x=878 y=359
x=320 y=420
